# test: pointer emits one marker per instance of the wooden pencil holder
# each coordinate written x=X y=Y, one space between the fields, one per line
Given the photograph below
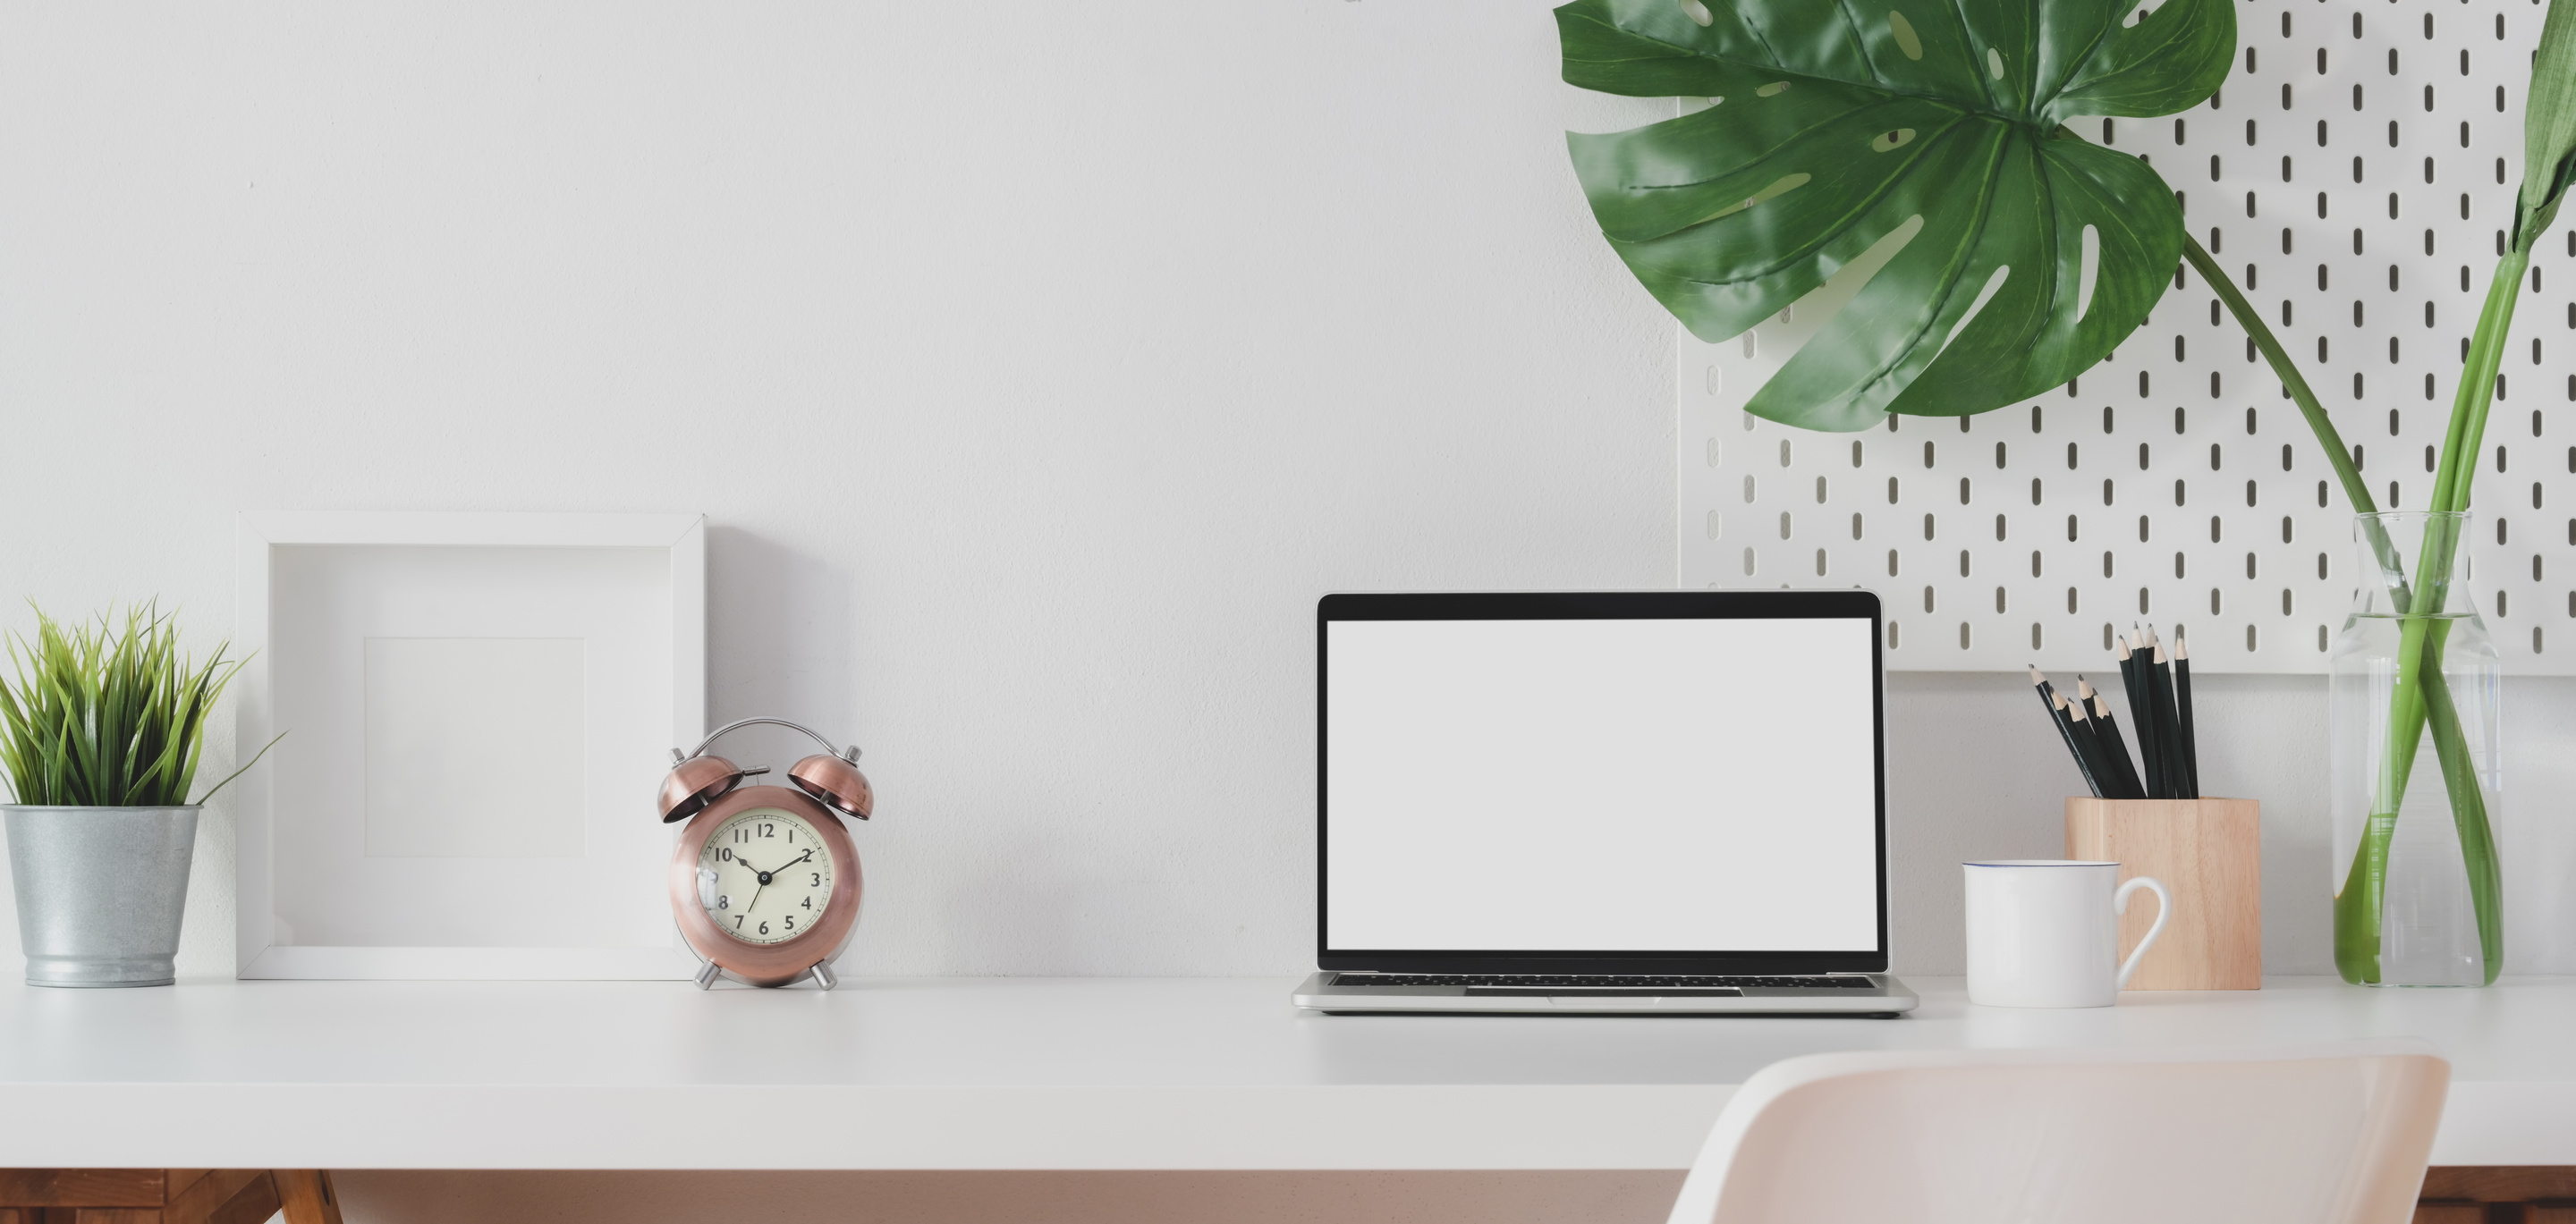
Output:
x=2209 y=853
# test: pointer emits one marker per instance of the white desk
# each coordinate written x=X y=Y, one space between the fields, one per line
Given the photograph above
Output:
x=1057 y=1073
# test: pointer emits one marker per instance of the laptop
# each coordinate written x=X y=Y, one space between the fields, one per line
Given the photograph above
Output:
x=1643 y=802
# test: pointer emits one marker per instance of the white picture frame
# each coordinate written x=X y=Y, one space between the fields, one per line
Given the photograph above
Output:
x=411 y=620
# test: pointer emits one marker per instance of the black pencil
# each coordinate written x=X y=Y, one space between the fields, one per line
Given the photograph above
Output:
x=2133 y=664
x=2076 y=741
x=2106 y=731
x=2168 y=728
x=2065 y=728
x=2148 y=725
x=2106 y=727
x=2089 y=742
x=2182 y=715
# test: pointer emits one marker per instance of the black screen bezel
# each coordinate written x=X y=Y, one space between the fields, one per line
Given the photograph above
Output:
x=1619 y=605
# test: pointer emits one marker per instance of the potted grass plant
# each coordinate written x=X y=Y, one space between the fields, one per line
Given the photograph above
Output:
x=1930 y=146
x=100 y=734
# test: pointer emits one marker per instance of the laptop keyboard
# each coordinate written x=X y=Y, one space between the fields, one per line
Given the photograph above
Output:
x=1601 y=981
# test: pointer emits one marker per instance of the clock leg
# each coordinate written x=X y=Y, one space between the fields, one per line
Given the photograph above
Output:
x=707 y=976
x=823 y=975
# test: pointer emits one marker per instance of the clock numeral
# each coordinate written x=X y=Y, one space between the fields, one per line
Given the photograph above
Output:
x=769 y=830
x=737 y=921
x=809 y=902
x=724 y=855
x=741 y=835
x=764 y=928
x=818 y=879
x=791 y=835
x=791 y=922
x=724 y=902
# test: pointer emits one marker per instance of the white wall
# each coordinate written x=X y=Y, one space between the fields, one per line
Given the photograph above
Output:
x=1037 y=366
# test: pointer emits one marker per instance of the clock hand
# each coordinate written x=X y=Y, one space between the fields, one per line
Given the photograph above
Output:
x=766 y=879
x=766 y=876
x=760 y=877
x=763 y=880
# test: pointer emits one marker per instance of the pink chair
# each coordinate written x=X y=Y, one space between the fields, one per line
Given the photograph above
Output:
x=2299 y=1135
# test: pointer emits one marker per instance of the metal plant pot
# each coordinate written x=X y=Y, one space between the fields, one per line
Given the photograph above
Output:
x=100 y=891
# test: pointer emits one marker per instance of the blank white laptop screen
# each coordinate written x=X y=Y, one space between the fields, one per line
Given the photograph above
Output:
x=1649 y=785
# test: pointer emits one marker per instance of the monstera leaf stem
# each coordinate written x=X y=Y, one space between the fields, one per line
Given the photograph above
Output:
x=2337 y=454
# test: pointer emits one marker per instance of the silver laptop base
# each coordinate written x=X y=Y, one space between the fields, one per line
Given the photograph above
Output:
x=1339 y=993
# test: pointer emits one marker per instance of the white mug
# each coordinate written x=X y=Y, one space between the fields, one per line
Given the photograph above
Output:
x=2046 y=932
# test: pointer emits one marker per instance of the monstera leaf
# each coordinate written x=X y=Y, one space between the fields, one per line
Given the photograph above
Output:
x=1845 y=129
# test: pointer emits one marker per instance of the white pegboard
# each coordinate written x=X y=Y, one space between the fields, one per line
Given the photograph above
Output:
x=2354 y=175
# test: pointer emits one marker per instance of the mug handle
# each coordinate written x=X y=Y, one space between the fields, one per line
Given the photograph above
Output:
x=2164 y=911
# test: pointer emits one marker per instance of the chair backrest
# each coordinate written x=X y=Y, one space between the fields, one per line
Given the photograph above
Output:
x=2313 y=1135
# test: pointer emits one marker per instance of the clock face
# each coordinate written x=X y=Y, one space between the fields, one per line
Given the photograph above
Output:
x=765 y=877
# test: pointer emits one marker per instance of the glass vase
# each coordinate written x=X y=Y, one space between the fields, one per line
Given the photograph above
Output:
x=2416 y=766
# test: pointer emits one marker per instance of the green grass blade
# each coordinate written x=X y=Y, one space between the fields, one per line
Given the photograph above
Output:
x=228 y=778
x=108 y=711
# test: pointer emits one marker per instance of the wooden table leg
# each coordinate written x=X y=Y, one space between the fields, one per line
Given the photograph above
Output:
x=307 y=1196
x=166 y=1196
x=224 y=1196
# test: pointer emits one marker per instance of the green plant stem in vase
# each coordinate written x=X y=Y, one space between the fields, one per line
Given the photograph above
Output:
x=2421 y=697
x=1928 y=149
x=2419 y=900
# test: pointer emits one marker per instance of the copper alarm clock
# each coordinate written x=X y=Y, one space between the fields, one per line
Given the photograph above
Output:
x=764 y=880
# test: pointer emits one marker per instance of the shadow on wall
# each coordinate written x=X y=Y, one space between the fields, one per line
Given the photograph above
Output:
x=972 y=868
x=1550 y=1197
x=780 y=629
x=1975 y=770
